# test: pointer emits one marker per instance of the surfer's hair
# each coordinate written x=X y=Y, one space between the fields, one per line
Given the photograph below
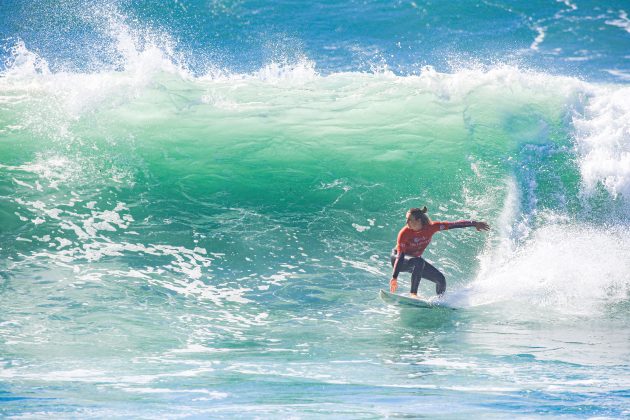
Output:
x=420 y=214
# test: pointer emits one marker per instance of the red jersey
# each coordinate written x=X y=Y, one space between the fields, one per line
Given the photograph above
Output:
x=414 y=242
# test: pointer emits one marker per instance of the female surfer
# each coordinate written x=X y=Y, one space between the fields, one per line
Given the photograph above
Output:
x=412 y=241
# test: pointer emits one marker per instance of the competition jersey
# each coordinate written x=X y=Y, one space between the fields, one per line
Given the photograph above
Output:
x=414 y=242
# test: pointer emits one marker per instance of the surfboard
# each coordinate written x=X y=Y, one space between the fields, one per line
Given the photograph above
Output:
x=408 y=301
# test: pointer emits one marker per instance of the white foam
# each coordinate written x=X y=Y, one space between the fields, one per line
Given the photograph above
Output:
x=571 y=269
x=23 y=63
x=622 y=22
x=625 y=76
x=74 y=375
x=52 y=169
x=360 y=228
x=602 y=135
x=198 y=348
x=212 y=395
x=284 y=73
x=568 y=3
x=539 y=38
x=145 y=53
x=292 y=73
x=360 y=265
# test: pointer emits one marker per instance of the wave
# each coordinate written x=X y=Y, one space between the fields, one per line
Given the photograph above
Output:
x=545 y=158
x=597 y=114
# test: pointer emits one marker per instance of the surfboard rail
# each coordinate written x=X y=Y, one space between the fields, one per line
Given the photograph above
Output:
x=408 y=301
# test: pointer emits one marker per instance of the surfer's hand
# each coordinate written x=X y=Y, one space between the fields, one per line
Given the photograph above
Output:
x=481 y=226
x=393 y=285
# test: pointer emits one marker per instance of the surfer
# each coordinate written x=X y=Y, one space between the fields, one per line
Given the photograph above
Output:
x=413 y=240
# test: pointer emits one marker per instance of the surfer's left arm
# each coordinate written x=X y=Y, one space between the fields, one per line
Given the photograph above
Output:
x=464 y=224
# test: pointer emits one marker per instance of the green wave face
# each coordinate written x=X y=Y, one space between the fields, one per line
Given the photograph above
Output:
x=262 y=166
x=287 y=189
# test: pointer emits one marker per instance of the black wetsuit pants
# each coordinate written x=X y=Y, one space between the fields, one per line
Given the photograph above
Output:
x=420 y=268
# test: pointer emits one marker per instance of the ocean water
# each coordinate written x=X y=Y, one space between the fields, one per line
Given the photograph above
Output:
x=198 y=200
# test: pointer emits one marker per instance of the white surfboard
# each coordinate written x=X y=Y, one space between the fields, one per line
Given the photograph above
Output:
x=409 y=301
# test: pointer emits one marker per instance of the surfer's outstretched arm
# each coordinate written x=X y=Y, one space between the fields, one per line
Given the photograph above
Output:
x=464 y=224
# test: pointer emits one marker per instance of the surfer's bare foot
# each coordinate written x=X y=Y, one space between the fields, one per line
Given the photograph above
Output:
x=413 y=295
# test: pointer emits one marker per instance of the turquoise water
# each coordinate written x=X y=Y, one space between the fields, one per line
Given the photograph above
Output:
x=198 y=201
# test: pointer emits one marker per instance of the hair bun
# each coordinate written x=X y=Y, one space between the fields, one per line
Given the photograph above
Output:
x=424 y=209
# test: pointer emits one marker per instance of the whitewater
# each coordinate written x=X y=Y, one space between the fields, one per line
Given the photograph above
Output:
x=188 y=234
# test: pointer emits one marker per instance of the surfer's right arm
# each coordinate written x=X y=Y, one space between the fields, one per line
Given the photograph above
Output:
x=401 y=247
x=393 y=283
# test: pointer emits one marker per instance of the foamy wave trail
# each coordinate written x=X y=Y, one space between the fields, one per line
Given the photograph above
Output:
x=195 y=243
